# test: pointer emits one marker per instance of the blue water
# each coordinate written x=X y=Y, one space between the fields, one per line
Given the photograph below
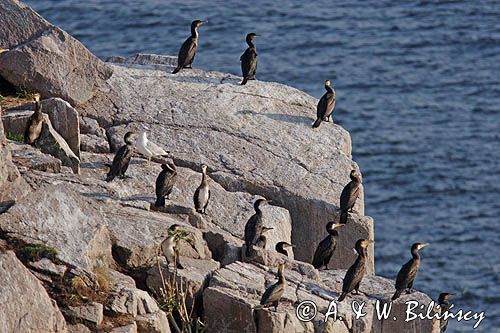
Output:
x=417 y=86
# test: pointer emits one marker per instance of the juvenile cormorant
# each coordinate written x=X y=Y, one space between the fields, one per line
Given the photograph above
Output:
x=349 y=195
x=327 y=246
x=262 y=241
x=34 y=124
x=253 y=228
x=273 y=294
x=249 y=60
x=408 y=272
x=325 y=105
x=189 y=47
x=147 y=148
x=445 y=306
x=280 y=247
x=202 y=193
x=165 y=183
x=169 y=247
x=355 y=273
x=122 y=158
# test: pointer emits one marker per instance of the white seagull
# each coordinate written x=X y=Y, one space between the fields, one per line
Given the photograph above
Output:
x=148 y=148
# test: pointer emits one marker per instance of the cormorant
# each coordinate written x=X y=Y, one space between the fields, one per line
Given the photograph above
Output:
x=249 y=60
x=169 y=247
x=349 y=195
x=121 y=159
x=165 y=183
x=445 y=306
x=408 y=272
x=325 y=105
x=262 y=241
x=253 y=228
x=189 y=47
x=34 y=124
x=327 y=246
x=202 y=193
x=355 y=273
x=273 y=294
x=147 y=148
x=280 y=247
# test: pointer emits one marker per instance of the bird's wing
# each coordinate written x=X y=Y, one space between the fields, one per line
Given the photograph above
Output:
x=122 y=157
x=355 y=190
x=248 y=62
x=187 y=52
x=272 y=294
x=196 y=200
x=353 y=276
x=322 y=252
x=321 y=108
x=330 y=105
x=345 y=195
x=406 y=274
x=155 y=149
x=250 y=229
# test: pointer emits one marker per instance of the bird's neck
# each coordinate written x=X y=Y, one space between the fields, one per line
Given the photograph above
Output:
x=329 y=89
x=415 y=254
x=333 y=233
x=250 y=43
x=38 y=109
x=194 y=31
x=204 y=177
x=281 y=278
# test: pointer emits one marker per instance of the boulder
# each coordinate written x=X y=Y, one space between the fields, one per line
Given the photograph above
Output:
x=28 y=158
x=91 y=314
x=93 y=143
x=44 y=265
x=153 y=323
x=49 y=142
x=20 y=313
x=45 y=58
x=238 y=131
x=57 y=216
x=131 y=328
x=12 y=185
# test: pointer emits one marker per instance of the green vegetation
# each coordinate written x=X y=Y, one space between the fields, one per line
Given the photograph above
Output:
x=34 y=252
x=102 y=274
x=1 y=98
x=15 y=137
x=25 y=93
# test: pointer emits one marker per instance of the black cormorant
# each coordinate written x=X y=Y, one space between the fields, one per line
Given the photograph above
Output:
x=121 y=159
x=355 y=273
x=408 y=272
x=349 y=195
x=253 y=228
x=169 y=246
x=165 y=183
x=445 y=306
x=262 y=241
x=280 y=247
x=273 y=294
x=188 y=48
x=249 y=60
x=325 y=105
x=202 y=193
x=327 y=246
x=34 y=124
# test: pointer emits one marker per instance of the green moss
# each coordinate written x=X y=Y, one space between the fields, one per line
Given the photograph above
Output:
x=34 y=252
x=15 y=137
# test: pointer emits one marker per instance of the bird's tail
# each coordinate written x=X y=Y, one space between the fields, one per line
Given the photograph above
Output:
x=179 y=266
x=317 y=123
x=160 y=201
x=245 y=80
x=396 y=295
x=176 y=70
x=341 y=298
x=343 y=217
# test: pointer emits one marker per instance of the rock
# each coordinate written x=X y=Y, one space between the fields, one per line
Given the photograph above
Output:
x=239 y=133
x=49 y=142
x=46 y=59
x=91 y=126
x=57 y=216
x=225 y=248
x=20 y=313
x=91 y=314
x=27 y=157
x=12 y=186
x=194 y=278
x=94 y=144
x=78 y=328
x=132 y=328
x=46 y=266
x=63 y=118
x=153 y=323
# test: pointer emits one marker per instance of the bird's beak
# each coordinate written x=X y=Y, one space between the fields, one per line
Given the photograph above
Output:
x=203 y=22
x=338 y=225
x=424 y=245
x=371 y=241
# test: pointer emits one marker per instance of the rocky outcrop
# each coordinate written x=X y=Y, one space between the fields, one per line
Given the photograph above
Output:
x=46 y=59
x=255 y=139
x=20 y=313
x=29 y=158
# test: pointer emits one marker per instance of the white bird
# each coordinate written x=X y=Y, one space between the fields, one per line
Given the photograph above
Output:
x=148 y=148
